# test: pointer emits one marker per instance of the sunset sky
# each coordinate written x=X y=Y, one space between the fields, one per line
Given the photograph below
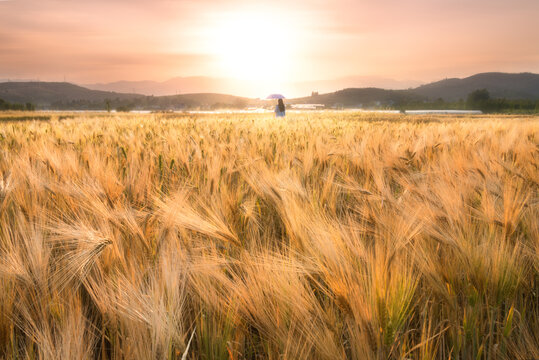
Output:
x=269 y=41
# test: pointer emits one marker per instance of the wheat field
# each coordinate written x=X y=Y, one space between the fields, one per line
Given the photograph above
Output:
x=327 y=235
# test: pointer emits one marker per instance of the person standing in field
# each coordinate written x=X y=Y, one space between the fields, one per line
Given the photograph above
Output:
x=280 y=109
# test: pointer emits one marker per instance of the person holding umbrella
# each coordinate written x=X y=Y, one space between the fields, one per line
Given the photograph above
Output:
x=280 y=110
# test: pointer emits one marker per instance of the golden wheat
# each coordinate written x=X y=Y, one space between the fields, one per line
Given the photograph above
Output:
x=319 y=236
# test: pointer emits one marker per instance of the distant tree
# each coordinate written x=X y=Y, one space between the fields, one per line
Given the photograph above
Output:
x=4 y=105
x=479 y=100
x=439 y=104
x=478 y=96
x=30 y=106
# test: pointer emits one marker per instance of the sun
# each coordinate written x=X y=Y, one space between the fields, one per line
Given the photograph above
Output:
x=254 y=45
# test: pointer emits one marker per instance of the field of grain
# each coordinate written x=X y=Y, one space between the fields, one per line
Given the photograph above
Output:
x=319 y=236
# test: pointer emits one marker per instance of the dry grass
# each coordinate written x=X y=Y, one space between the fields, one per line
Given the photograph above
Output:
x=321 y=236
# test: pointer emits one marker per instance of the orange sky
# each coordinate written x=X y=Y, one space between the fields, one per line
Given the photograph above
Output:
x=90 y=41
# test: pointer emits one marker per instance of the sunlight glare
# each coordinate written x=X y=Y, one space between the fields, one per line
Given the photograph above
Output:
x=254 y=46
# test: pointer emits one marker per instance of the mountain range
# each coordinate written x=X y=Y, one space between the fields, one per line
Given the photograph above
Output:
x=499 y=85
x=204 y=84
x=57 y=95
x=46 y=93
x=174 y=86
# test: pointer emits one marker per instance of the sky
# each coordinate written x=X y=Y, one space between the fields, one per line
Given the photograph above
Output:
x=272 y=42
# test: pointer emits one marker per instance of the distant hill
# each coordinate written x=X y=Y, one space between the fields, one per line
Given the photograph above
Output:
x=499 y=85
x=523 y=86
x=352 y=82
x=68 y=96
x=365 y=97
x=174 y=86
x=205 y=84
x=54 y=95
x=47 y=93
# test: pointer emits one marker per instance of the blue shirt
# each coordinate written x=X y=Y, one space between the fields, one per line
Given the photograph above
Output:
x=279 y=113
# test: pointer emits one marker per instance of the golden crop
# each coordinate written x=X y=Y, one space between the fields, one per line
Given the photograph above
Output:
x=319 y=236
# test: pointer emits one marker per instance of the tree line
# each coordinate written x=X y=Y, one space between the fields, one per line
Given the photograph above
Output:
x=482 y=100
x=477 y=100
x=4 y=105
x=148 y=103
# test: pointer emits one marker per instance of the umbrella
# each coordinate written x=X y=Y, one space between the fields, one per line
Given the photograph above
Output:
x=275 y=96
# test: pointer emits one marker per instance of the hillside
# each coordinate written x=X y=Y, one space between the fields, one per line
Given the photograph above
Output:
x=364 y=97
x=174 y=86
x=206 y=84
x=45 y=94
x=499 y=85
x=523 y=86
x=67 y=96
